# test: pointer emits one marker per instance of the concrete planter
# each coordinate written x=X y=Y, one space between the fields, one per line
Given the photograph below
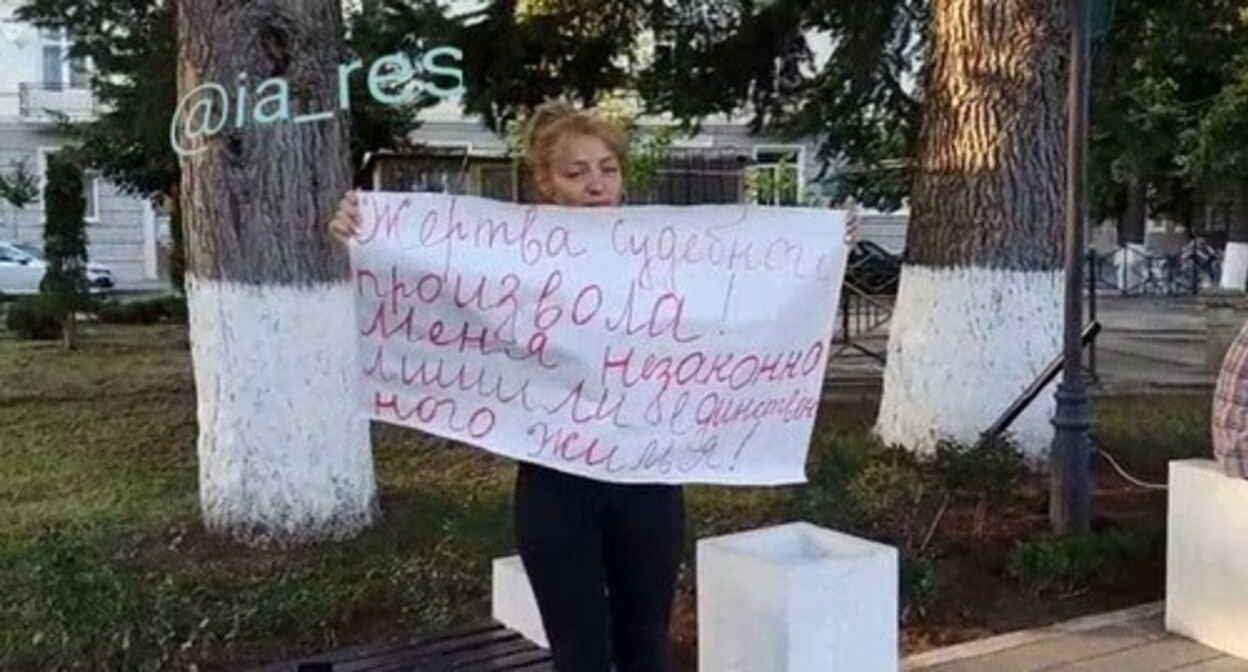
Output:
x=1207 y=539
x=796 y=598
x=1225 y=314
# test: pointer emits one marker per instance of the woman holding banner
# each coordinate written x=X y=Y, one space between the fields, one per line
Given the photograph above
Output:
x=602 y=557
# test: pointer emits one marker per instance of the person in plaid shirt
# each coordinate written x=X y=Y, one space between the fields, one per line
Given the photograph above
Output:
x=1230 y=409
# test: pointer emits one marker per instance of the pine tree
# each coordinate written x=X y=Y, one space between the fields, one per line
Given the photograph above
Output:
x=64 y=285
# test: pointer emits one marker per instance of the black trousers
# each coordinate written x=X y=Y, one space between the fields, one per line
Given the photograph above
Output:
x=603 y=560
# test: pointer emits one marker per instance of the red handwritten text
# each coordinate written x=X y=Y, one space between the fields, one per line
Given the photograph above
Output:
x=736 y=371
x=429 y=408
x=665 y=251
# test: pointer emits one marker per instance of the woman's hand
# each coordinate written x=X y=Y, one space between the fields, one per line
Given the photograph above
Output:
x=346 y=222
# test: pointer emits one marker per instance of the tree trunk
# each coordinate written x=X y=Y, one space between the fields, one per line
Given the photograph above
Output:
x=979 y=309
x=1136 y=215
x=284 y=454
x=177 y=242
x=1235 y=260
x=69 y=329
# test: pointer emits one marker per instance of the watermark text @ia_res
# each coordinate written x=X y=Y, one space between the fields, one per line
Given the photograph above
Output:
x=394 y=79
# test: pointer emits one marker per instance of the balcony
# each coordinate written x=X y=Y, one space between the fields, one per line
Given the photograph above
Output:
x=40 y=101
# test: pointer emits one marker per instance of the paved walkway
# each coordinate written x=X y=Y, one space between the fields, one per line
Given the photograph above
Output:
x=1152 y=344
x=1146 y=345
x=1134 y=640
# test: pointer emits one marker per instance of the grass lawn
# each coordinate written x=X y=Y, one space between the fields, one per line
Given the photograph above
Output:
x=103 y=562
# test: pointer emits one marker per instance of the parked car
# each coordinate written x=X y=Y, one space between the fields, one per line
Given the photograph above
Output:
x=873 y=269
x=22 y=267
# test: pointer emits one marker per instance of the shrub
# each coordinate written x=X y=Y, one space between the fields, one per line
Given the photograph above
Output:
x=1071 y=564
x=836 y=461
x=920 y=585
x=991 y=469
x=33 y=318
x=64 y=285
x=893 y=497
x=144 y=311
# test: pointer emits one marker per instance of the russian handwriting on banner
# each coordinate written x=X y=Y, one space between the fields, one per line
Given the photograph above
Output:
x=638 y=344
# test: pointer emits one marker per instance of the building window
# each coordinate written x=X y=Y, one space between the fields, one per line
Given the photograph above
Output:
x=59 y=70
x=53 y=67
x=776 y=176
x=497 y=181
x=695 y=176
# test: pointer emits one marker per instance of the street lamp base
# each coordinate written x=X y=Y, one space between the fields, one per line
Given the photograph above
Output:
x=1069 y=486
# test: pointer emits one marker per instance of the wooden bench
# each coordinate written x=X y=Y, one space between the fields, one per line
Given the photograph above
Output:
x=484 y=646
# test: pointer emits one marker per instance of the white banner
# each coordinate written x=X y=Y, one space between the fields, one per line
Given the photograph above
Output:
x=637 y=344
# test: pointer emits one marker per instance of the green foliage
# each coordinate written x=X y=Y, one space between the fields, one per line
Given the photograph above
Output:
x=1177 y=429
x=386 y=28
x=132 y=46
x=836 y=461
x=774 y=185
x=1164 y=69
x=144 y=311
x=1219 y=153
x=920 y=584
x=84 y=605
x=890 y=486
x=65 y=237
x=891 y=493
x=33 y=318
x=992 y=468
x=20 y=187
x=645 y=157
x=1066 y=565
x=711 y=58
x=524 y=55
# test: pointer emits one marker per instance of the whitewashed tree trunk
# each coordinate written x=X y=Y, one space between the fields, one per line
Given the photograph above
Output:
x=979 y=308
x=284 y=458
x=1235 y=257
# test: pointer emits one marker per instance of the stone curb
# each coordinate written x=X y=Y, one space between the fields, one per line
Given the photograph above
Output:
x=1014 y=640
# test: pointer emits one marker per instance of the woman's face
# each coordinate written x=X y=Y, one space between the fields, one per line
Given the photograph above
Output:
x=583 y=172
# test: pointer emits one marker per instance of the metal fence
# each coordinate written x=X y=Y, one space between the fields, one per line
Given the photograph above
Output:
x=862 y=324
x=696 y=176
x=1133 y=271
x=683 y=176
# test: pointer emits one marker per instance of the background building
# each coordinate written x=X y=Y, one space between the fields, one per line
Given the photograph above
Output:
x=36 y=79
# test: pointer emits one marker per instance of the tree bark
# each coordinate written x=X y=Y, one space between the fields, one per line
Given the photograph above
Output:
x=1134 y=218
x=979 y=309
x=284 y=455
x=1235 y=258
x=69 y=328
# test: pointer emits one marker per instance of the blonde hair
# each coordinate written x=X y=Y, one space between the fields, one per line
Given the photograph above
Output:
x=555 y=120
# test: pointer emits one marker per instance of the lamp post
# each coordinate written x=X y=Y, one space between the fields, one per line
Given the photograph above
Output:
x=1069 y=487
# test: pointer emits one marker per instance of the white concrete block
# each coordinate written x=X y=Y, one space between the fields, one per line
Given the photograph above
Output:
x=1207 y=556
x=512 y=601
x=797 y=598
